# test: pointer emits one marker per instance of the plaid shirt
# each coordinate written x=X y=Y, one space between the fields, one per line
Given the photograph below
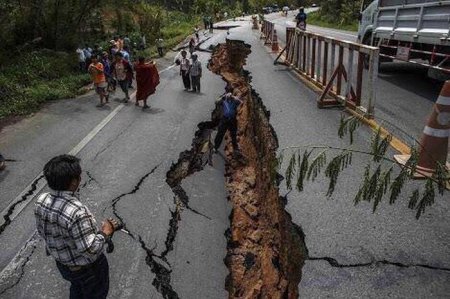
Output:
x=68 y=228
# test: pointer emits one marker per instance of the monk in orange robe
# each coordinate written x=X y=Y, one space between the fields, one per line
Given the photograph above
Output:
x=147 y=78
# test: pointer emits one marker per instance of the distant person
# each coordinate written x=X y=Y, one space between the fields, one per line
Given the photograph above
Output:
x=147 y=78
x=123 y=73
x=2 y=162
x=196 y=32
x=96 y=69
x=143 y=43
x=229 y=105
x=160 y=46
x=184 y=70
x=87 y=54
x=211 y=24
x=127 y=41
x=225 y=15
x=126 y=54
x=97 y=51
x=205 y=22
x=81 y=59
x=120 y=42
x=70 y=231
x=191 y=46
x=196 y=73
x=113 y=48
x=107 y=70
x=301 y=19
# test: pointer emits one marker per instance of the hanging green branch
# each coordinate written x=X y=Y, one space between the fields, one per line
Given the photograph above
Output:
x=375 y=184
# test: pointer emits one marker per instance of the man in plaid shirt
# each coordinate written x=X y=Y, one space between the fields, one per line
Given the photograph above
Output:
x=70 y=231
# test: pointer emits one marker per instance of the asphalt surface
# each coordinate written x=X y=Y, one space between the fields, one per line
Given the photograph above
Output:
x=404 y=93
x=132 y=144
x=342 y=237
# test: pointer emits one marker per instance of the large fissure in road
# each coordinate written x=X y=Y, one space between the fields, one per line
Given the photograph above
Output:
x=266 y=250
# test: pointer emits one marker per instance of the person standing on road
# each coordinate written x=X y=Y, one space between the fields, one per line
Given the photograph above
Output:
x=196 y=32
x=2 y=162
x=147 y=78
x=205 y=22
x=191 y=46
x=122 y=72
x=301 y=19
x=81 y=59
x=96 y=69
x=107 y=71
x=228 y=122
x=184 y=70
x=196 y=73
x=70 y=231
x=160 y=46
x=87 y=54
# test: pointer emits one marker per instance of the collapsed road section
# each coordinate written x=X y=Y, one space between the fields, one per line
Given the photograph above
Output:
x=266 y=250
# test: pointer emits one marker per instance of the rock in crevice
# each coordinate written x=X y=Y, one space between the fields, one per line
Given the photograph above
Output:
x=266 y=250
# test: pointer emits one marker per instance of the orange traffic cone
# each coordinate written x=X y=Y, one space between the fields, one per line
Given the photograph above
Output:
x=434 y=142
x=275 y=42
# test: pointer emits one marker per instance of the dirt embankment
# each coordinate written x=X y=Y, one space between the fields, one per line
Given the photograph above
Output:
x=266 y=250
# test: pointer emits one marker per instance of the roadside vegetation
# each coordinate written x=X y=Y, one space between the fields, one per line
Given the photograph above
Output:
x=38 y=62
x=338 y=14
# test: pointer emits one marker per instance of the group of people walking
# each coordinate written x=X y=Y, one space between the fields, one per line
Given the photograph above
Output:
x=114 y=67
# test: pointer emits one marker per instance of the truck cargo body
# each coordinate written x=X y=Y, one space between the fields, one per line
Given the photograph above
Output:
x=416 y=31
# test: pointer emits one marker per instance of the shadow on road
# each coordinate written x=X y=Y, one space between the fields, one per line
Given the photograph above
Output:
x=410 y=77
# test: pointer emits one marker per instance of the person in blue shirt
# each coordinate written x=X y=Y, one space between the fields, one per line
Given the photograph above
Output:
x=301 y=19
x=228 y=122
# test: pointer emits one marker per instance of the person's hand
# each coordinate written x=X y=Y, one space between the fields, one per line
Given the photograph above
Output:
x=107 y=228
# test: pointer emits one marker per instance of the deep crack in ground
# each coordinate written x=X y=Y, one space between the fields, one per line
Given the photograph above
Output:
x=30 y=192
x=265 y=249
x=33 y=241
x=334 y=263
x=162 y=273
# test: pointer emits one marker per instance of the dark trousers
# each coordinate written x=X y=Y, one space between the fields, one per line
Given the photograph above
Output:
x=195 y=83
x=186 y=79
x=224 y=125
x=160 y=52
x=91 y=282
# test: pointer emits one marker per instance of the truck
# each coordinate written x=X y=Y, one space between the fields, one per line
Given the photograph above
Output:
x=415 y=31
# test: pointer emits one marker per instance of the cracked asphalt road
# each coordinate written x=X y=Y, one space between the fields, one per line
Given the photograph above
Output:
x=119 y=161
x=335 y=229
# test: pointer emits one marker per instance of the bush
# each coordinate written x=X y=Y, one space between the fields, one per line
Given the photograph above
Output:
x=38 y=77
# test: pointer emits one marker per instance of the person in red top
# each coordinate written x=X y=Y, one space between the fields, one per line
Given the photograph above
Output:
x=96 y=70
x=123 y=73
x=147 y=78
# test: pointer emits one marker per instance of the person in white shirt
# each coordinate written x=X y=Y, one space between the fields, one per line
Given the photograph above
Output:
x=81 y=59
x=196 y=73
x=184 y=70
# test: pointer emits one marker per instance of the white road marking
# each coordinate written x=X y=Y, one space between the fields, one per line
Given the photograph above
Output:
x=41 y=184
x=18 y=260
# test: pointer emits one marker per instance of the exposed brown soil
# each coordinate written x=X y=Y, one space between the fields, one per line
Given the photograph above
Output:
x=266 y=250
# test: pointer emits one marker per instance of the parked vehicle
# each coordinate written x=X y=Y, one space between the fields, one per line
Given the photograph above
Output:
x=275 y=8
x=415 y=31
x=267 y=10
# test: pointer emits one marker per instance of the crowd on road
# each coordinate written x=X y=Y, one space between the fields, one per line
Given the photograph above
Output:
x=73 y=240
x=114 y=66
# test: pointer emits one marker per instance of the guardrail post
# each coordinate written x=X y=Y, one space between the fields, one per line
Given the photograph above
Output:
x=373 y=75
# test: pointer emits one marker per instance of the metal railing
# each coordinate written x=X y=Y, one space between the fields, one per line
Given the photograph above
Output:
x=267 y=31
x=330 y=64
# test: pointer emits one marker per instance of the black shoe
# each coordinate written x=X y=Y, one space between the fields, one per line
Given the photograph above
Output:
x=145 y=107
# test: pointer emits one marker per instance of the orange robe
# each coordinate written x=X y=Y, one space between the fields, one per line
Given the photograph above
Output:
x=147 y=78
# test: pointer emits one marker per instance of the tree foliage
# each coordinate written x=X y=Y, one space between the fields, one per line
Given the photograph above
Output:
x=380 y=175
